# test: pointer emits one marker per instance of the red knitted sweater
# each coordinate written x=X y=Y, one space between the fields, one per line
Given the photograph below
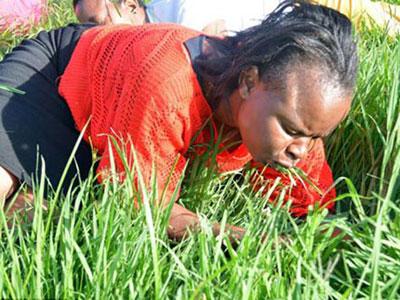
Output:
x=137 y=84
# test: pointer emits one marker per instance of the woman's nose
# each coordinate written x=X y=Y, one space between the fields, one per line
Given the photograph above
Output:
x=298 y=149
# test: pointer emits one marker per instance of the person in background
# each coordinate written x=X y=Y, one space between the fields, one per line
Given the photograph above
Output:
x=220 y=17
x=18 y=16
x=110 y=12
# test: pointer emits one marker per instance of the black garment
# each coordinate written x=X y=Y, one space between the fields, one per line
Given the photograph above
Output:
x=195 y=48
x=39 y=123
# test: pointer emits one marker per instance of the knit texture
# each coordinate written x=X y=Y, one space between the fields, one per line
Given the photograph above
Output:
x=137 y=84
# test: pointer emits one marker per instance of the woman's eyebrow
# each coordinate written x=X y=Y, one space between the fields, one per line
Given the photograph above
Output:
x=295 y=127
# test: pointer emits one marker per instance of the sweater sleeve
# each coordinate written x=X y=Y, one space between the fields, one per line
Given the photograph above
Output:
x=150 y=135
x=150 y=123
x=315 y=190
x=133 y=84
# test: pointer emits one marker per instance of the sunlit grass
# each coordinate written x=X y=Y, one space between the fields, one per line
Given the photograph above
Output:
x=92 y=242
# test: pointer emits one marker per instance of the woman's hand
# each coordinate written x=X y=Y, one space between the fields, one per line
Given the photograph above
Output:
x=182 y=220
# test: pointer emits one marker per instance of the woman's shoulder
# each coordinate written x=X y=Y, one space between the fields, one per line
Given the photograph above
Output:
x=150 y=59
x=142 y=42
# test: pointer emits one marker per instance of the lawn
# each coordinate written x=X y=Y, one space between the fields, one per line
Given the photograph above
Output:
x=92 y=242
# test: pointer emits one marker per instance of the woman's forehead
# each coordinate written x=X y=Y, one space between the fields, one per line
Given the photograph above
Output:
x=311 y=101
x=306 y=82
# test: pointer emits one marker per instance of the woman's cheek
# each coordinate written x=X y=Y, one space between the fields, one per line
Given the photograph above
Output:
x=278 y=137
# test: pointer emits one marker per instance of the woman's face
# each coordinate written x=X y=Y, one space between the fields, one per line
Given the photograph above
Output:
x=279 y=121
x=106 y=12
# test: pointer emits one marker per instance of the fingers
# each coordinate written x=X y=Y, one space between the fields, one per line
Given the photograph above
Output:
x=181 y=221
x=8 y=184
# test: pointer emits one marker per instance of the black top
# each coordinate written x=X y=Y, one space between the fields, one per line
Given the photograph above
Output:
x=195 y=48
x=39 y=124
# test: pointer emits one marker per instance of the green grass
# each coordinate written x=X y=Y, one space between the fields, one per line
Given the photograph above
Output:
x=92 y=242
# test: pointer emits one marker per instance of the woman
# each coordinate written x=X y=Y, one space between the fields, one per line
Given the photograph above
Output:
x=276 y=89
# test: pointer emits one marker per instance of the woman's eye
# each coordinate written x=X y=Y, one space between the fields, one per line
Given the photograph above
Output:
x=291 y=132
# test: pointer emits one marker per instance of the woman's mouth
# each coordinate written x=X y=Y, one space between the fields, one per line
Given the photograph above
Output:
x=284 y=164
x=275 y=163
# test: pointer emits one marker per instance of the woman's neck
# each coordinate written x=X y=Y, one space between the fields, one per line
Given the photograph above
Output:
x=228 y=108
x=223 y=114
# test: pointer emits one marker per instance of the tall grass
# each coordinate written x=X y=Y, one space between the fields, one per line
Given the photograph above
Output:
x=92 y=242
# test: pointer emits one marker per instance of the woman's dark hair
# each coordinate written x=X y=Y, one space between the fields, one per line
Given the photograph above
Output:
x=296 y=31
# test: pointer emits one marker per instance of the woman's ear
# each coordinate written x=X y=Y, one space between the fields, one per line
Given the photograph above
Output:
x=248 y=79
x=133 y=5
x=134 y=12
